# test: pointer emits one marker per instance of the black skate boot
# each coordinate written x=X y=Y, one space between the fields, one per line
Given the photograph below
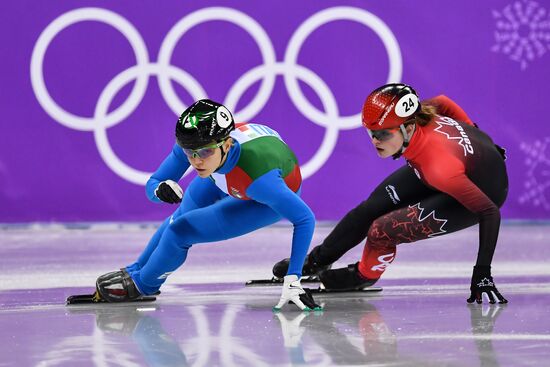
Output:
x=345 y=279
x=117 y=286
x=310 y=269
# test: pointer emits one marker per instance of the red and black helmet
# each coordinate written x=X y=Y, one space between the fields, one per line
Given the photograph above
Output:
x=390 y=106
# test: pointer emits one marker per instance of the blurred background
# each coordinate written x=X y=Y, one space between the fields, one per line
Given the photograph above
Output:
x=90 y=92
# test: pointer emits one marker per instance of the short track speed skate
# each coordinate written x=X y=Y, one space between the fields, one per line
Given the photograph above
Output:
x=95 y=298
x=322 y=290
x=279 y=281
x=113 y=287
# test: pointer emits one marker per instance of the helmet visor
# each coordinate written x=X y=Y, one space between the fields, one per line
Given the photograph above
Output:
x=382 y=135
x=203 y=152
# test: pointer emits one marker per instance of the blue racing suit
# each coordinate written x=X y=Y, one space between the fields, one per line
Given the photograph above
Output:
x=258 y=184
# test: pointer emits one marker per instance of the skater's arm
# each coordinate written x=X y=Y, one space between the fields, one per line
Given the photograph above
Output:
x=460 y=187
x=270 y=189
x=172 y=168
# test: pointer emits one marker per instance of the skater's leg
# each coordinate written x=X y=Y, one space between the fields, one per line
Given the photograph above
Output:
x=151 y=246
x=435 y=216
x=398 y=190
x=224 y=219
x=199 y=194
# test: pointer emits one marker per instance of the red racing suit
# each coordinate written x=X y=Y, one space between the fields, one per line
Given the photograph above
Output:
x=455 y=177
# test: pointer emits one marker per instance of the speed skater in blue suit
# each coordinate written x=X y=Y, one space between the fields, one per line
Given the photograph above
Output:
x=247 y=178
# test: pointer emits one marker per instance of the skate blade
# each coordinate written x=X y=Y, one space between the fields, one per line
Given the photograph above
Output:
x=278 y=281
x=91 y=299
x=323 y=290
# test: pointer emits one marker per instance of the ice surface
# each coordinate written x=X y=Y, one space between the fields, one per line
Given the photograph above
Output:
x=206 y=317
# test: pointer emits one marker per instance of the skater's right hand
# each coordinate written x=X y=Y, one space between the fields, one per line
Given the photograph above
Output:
x=482 y=282
x=169 y=192
x=293 y=291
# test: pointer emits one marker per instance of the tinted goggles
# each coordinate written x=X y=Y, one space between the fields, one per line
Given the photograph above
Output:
x=203 y=152
x=382 y=135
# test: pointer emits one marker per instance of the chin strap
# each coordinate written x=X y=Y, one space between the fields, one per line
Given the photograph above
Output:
x=406 y=141
x=221 y=160
x=223 y=155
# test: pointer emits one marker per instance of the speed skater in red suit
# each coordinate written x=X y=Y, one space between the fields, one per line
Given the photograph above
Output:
x=454 y=177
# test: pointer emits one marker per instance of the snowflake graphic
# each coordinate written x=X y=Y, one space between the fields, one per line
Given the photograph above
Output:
x=522 y=31
x=538 y=173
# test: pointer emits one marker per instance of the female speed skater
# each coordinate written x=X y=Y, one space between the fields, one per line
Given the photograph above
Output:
x=455 y=177
x=248 y=178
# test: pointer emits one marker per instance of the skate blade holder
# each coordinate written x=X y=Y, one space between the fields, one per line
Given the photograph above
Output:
x=278 y=281
x=89 y=299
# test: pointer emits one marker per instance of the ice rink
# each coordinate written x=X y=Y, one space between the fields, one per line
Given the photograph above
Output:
x=206 y=317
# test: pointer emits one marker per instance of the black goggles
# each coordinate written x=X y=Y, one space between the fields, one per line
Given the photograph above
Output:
x=382 y=135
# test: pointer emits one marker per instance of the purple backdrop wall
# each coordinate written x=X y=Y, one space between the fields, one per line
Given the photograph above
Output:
x=90 y=91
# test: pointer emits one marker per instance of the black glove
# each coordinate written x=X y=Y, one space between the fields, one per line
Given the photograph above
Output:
x=502 y=151
x=482 y=282
x=169 y=192
x=307 y=299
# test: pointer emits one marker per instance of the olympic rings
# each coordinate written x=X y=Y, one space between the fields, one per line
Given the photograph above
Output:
x=166 y=72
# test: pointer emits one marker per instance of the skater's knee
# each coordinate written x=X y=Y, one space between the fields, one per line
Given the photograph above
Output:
x=378 y=238
x=180 y=235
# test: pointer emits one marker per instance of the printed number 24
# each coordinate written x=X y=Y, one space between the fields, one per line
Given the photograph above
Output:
x=408 y=105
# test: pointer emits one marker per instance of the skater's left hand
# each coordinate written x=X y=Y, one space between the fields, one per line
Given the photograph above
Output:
x=169 y=192
x=293 y=291
x=482 y=282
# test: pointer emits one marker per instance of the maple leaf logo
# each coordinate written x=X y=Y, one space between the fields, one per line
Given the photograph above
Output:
x=457 y=133
x=431 y=226
x=407 y=225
